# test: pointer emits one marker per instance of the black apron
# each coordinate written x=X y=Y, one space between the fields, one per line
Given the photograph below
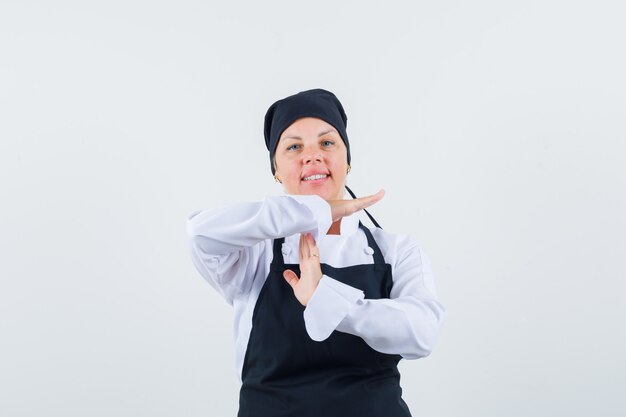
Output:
x=286 y=373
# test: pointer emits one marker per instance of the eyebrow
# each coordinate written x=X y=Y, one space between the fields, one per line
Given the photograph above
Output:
x=321 y=134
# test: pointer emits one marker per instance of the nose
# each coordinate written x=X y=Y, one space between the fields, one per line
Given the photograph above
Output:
x=311 y=155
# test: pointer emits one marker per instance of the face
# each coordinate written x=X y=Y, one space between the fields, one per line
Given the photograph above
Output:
x=311 y=158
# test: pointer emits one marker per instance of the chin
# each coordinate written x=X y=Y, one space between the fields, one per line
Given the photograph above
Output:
x=330 y=195
x=327 y=193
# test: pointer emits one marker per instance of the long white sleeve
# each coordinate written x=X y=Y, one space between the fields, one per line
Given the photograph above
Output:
x=226 y=243
x=407 y=323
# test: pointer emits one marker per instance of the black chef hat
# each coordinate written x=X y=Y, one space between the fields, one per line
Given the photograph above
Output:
x=310 y=103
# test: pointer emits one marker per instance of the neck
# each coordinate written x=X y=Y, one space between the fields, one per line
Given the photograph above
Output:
x=335 y=228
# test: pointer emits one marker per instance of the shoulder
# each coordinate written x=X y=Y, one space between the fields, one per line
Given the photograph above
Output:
x=396 y=246
x=407 y=258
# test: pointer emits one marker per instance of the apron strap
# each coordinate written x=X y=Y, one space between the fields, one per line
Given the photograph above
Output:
x=366 y=212
x=278 y=252
x=378 y=255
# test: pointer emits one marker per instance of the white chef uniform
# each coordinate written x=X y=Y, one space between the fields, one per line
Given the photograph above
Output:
x=231 y=247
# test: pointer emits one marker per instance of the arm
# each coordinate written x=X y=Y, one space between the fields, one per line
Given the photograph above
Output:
x=407 y=323
x=226 y=242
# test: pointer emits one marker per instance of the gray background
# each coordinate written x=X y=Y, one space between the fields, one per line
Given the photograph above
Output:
x=496 y=128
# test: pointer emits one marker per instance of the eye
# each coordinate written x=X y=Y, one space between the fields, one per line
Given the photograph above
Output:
x=327 y=142
x=292 y=147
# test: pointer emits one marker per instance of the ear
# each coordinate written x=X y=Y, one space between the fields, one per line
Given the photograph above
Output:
x=276 y=178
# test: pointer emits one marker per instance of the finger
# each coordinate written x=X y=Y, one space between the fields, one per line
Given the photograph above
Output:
x=291 y=278
x=309 y=244
x=343 y=208
x=313 y=247
x=305 y=247
x=374 y=198
x=301 y=252
x=365 y=202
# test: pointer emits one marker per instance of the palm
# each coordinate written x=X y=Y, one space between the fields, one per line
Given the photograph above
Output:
x=343 y=208
x=310 y=270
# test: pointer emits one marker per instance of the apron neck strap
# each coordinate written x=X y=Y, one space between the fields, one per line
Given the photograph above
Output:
x=278 y=251
x=371 y=242
x=366 y=212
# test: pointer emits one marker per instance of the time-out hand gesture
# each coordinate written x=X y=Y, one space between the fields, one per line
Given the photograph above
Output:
x=342 y=208
x=310 y=270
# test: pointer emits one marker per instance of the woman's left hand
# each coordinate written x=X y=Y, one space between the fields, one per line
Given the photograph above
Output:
x=310 y=270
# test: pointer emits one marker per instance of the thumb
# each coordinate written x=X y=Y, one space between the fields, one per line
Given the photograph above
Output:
x=291 y=278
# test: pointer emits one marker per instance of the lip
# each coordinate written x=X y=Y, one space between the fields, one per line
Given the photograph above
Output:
x=315 y=183
x=308 y=174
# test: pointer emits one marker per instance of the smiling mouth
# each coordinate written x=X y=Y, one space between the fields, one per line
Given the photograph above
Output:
x=316 y=177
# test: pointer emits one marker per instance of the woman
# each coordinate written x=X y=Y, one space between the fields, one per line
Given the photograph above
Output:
x=324 y=307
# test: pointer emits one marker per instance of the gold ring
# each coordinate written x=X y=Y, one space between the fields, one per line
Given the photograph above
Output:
x=315 y=254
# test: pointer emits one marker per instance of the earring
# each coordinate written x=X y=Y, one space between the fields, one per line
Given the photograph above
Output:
x=348 y=169
x=276 y=179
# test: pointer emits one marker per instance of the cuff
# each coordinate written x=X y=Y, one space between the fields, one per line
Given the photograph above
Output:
x=330 y=303
x=320 y=210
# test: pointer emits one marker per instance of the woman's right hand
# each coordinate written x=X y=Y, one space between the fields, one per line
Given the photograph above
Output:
x=342 y=208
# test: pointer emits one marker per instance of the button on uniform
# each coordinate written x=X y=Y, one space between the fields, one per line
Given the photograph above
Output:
x=369 y=250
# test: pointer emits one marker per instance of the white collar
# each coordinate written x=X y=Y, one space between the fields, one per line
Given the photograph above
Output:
x=349 y=225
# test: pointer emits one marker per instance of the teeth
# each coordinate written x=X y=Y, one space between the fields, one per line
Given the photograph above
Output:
x=316 y=177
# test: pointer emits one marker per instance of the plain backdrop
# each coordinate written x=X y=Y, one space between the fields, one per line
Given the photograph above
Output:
x=496 y=128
